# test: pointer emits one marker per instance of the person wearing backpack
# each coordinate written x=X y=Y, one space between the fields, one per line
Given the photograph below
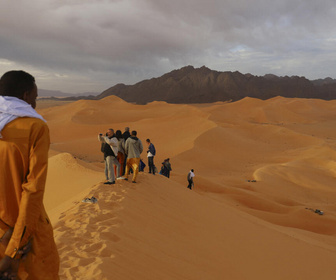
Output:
x=150 y=155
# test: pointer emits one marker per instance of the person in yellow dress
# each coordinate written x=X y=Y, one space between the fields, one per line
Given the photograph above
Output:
x=27 y=246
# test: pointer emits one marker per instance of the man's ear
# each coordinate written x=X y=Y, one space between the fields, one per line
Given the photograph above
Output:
x=25 y=96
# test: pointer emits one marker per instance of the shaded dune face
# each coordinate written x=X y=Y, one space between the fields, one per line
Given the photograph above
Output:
x=261 y=167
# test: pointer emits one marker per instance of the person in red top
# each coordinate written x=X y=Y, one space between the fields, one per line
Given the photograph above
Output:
x=27 y=246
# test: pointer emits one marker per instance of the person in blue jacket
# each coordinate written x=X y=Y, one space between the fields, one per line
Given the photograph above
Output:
x=150 y=155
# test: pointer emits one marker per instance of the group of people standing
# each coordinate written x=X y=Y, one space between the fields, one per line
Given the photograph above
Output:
x=122 y=155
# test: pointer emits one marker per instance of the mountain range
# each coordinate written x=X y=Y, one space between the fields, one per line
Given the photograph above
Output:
x=203 y=85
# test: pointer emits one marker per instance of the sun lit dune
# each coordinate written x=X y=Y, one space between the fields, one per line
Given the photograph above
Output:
x=262 y=169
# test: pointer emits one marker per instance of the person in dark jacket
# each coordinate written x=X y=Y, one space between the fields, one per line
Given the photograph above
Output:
x=163 y=170
x=125 y=135
x=167 y=167
x=121 y=153
x=110 y=155
x=150 y=155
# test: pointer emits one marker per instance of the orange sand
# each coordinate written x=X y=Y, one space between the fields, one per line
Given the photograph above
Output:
x=227 y=227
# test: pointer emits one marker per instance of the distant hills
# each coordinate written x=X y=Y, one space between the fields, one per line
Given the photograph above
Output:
x=203 y=85
x=44 y=93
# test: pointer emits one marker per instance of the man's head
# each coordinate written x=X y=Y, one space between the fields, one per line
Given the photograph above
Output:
x=148 y=141
x=19 y=84
x=134 y=133
x=126 y=128
x=110 y=132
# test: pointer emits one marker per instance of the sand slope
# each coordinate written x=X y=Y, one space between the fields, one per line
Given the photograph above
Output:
x=158 y=230
x=228 y=227
x=68 y=176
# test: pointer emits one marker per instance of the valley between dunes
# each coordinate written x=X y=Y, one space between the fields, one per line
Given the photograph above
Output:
x=261 y=169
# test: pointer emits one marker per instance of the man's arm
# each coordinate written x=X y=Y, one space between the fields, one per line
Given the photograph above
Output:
x=140 y=146
x=111 y=141
x=32 y=189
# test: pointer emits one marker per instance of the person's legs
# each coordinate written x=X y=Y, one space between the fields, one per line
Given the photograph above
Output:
x=135 y=166
x=151 y=165
x=190 y=183
x=116 y=164
x=121 y=158
x=128 y=165
x=125 y=163
x=110 y=169
x=106 y=171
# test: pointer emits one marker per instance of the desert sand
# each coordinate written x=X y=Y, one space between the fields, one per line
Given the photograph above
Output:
x=262 y=168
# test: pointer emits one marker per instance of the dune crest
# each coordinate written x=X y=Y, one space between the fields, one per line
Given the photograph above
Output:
x=262 y=169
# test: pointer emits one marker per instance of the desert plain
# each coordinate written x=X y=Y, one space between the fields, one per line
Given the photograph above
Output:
x=262 y=169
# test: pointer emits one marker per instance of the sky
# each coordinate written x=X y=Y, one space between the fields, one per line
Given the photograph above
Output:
x=80 y=46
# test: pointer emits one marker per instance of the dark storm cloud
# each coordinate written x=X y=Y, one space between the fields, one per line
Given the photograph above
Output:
x=96 y=44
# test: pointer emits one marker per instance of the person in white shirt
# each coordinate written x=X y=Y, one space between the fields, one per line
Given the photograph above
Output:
x=190 y=178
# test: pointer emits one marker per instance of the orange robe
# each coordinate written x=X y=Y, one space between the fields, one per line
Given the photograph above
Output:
x=23 y=166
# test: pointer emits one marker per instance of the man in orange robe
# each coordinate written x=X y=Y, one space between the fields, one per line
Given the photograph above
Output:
x=27 y=246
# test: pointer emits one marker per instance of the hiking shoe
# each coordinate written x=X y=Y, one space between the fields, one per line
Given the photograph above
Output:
x=121 y=178
x=109 y=183
x=133 y=182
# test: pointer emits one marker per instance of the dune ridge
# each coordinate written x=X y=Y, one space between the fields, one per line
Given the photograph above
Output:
x=262 y=167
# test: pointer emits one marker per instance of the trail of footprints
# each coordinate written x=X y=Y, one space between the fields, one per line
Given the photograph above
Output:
x=84 y=233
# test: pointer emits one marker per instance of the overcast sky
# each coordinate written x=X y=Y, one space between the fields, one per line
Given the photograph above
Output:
x=90 y=45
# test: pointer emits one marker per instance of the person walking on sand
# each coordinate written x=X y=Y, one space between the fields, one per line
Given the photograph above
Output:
x=150 y=155
x=27 y=246
x=133 y=149
x=110 y=151
x=190 y=178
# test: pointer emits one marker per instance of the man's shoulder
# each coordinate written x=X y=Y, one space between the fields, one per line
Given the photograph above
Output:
x=30 y=120
x=25 y=125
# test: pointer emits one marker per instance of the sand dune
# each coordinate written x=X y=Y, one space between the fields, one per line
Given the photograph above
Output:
x=228 y=227
x=67 y=177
